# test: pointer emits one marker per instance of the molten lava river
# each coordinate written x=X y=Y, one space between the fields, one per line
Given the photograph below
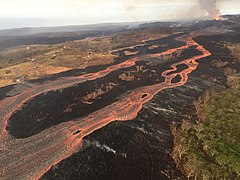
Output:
x=31 y=157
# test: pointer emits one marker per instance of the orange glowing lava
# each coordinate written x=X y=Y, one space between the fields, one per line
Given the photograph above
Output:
x=218 y=18
x=31 y=157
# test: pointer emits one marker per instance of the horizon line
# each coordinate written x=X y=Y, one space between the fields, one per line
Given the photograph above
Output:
x=108 y=22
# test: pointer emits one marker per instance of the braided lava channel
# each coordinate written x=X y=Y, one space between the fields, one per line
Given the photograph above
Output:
x=31 y=157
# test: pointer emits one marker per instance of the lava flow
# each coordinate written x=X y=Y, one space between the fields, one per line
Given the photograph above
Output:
x=31 y=157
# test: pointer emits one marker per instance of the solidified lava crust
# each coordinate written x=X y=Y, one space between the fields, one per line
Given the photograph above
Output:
x=32 y=156
x=43 y=112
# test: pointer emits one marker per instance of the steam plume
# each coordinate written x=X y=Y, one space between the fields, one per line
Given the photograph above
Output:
x=210 y=6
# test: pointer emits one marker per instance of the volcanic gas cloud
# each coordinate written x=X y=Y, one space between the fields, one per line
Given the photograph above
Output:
x=210 y=6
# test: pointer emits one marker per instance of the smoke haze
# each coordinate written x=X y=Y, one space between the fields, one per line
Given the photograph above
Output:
x=210 y=6
x=25 y=13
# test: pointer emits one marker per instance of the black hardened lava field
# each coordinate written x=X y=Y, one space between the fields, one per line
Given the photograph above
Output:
x=113 y=121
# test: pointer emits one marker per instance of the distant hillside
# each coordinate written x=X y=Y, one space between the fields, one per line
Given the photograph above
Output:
x=11 y=38
x=64 y=29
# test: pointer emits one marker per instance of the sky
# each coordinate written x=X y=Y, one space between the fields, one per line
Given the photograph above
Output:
x=28 y=13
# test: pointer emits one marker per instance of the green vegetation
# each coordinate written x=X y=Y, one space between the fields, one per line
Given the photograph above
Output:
x=210 y=148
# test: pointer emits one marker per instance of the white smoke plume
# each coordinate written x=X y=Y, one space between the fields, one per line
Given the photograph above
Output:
x=211 y=8
x=100 y=146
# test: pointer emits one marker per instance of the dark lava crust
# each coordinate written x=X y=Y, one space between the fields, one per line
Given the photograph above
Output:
x=141 y=148
x=135 y=149
x=50 y=109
